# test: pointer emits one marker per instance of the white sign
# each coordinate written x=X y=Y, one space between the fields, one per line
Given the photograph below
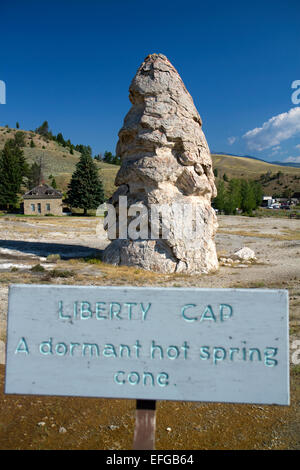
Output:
x=219 y=345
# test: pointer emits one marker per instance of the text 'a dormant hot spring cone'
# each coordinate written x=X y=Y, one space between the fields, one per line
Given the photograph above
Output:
x=165 y=179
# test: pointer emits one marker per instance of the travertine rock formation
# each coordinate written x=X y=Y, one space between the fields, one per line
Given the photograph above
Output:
x=165 y=160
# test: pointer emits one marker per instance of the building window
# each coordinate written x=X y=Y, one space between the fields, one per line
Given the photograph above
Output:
x=32 y=207
x=39 y=208
x=48 y=207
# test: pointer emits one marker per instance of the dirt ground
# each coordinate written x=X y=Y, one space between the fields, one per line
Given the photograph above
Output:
x=34 y=422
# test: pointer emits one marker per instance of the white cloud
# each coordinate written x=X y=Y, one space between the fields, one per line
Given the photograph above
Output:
x=275 y=130
x=292 y=160
x=231 y=140
x=297 y=146
x=275 y=149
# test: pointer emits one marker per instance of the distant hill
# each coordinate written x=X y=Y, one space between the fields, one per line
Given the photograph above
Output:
x=277 y=177
x=59 y=162
x=252 y=166
x=294 y=165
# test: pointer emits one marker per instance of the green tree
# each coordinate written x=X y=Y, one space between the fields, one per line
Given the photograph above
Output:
x=32 y=144
x=13 y=169
x=248 y=202
x=233 y=196
x=219 y=200
x=110 y=158
x=258 y=192
x=52 y=181
x=85 y=189
x=83 y=149
x=35 y=175
x=17 y=125
x=20 y=139
x=43 y=129
x=60 y=139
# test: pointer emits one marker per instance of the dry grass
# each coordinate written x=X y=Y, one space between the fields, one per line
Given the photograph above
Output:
x=235 y=167
x=290 y=235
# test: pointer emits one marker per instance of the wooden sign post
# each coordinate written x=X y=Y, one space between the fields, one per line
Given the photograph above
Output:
x=148 y=344
x=145 y=423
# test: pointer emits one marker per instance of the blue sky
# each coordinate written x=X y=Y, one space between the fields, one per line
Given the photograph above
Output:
x=71 y=62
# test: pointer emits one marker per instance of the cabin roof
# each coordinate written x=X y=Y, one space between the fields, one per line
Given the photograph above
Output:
x=43 y=191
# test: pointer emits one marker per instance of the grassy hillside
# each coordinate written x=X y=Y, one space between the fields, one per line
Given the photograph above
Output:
x=239 y=167
x=58 y=161
x=248 y=168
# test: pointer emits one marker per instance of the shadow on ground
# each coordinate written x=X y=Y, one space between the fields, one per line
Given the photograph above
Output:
x=44 y=249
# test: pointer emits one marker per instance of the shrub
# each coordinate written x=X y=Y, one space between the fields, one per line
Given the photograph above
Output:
x=38 y=268
x=58 y=273
x=53 y=258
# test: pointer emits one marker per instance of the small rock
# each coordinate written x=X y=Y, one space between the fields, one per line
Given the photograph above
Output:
x=112 y=427
x=245 y=254
x=62 y=430
x=169 y=429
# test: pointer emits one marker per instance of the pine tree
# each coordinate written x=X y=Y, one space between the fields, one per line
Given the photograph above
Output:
x=43 y=129
x=60 y=139
x=219 y=200
x=248 y=197
x=85 y=190
x=20 y=139
x=233 y=198
x=53 y=182
x=13 y=169
x=35 y=175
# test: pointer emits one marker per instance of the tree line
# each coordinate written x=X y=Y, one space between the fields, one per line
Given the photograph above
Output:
x=238 y=194
x=44 y=131
x=47 y=134
x=108 y=157
x=16 y=174
x=85 y=189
